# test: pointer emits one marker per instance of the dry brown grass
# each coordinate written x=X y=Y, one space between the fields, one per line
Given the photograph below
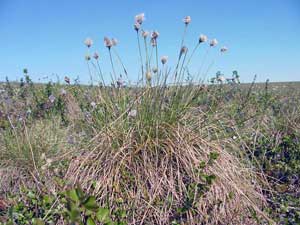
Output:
x=152 y=180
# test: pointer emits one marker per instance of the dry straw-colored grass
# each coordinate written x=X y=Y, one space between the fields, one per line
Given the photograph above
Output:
x=152 y=179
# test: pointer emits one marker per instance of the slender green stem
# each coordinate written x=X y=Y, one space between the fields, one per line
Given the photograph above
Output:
x=180 y=54
x=112 y=65
x=100 y=72
x=90 y=73
x=202 y=63
x=147 y=56
x=182 y=67
x=120 y=61
x=156 y=53
x=193 y=52
x=140 y=52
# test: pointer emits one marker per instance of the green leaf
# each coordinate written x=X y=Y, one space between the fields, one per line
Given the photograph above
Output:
x=213 y=155
x=72 y=194
x=103 y=215
x=74 y=214
x=90 y=221
x=90 y=203
x=80 y=193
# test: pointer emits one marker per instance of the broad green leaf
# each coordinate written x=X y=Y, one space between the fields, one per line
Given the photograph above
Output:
x=90 y=203
x=80 y=193
x=74 y=214
x=90 y=221
x=103 y=215
x=72 y=194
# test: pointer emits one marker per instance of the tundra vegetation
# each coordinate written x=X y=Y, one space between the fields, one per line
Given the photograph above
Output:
x=168 y=149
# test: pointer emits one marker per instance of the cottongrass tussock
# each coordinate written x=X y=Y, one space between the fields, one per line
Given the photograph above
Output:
x=153 y=152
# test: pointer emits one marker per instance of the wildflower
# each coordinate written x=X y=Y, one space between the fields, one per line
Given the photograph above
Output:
x=87 y=57
x=140 y=18
x=202 y=38
x=224 y=49
x=93 y=104
x=154 y=70
x=148 y=75
x=164 y=59
x=107 y=42
x=145 y=34
x=63 y=91
x=187 y=20
x=51 y=98
x=137 y=26
x=213 y=42
x=88 y=42
x=96 y=56
x=67 y=80
x=154 y=35
x=132 y=113
x=114 y=41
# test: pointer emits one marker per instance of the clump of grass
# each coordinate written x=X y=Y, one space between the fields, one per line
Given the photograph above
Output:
x=31 y=152
x=160 y=150
x=177 y=175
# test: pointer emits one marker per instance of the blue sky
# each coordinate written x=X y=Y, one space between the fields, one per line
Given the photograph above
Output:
x=47 y=36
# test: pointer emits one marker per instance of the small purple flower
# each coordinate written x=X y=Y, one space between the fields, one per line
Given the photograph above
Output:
x=52 y=98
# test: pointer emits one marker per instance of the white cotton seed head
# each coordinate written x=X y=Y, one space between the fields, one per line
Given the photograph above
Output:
x=202 y=38
x=164 y=59
x=187 y=20
x=96 y=56
x=107 y=42
x=140 y=18
x=213 y=42
x=224 y=49
x=114 y=41
x=88 y=42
